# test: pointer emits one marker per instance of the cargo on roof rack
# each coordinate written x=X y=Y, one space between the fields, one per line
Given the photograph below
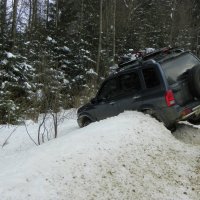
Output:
x=140 y=57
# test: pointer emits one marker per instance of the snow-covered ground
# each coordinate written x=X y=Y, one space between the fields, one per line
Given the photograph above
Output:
x=131 y=156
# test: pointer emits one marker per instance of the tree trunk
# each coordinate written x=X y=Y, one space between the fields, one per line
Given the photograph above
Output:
x=14 y=23
x=197 y=42
x=100 y=37
x=114 y=30
x=3 y=11
x=81 y=29
x=34 y=14
x=47 y=12
x=57 y=13
x=172 y=23
x=29 y=16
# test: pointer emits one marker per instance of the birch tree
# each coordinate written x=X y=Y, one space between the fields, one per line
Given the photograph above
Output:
x=47 y=12
x=172 y=15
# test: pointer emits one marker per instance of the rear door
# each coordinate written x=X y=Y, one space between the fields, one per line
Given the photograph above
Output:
x=154 y=88
x=176 y=71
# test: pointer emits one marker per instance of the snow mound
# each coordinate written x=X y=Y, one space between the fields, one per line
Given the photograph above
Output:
x=188 y=133
x=131 y=156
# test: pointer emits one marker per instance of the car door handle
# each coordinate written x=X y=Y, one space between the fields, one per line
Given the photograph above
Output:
x=136 y=97
x=112 y=103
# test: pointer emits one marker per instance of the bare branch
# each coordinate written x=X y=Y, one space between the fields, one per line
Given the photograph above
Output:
x=6 y=141
x=125 y=3
x=29 y=134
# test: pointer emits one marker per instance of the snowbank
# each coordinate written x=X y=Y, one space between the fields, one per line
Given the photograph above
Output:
x=131 y=156
x=10 y=55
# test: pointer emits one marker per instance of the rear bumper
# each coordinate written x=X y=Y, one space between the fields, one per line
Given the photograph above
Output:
x=176 y=113
x=195 y=111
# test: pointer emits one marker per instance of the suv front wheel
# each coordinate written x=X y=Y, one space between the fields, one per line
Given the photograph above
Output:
x=86 y=122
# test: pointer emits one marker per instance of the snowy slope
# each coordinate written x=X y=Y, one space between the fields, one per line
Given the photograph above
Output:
x=131 y=156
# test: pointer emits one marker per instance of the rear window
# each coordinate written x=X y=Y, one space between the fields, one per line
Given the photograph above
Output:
x=176 y=68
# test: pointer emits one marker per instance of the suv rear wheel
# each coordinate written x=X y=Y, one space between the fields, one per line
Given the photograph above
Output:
x=153 y=114
x=171 y=127
x=194 y=81
x=195 y=119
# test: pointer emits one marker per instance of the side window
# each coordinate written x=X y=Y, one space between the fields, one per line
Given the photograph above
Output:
x=109 y=90
x=130 y=83
x=151 y=77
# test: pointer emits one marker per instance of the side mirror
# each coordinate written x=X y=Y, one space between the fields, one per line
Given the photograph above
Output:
x=93 y=100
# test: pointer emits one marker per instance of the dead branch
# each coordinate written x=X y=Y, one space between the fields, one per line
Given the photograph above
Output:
x=8 y=137
x=29 y=134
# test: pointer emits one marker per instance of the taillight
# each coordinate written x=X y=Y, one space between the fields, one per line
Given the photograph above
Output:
x=169 y=97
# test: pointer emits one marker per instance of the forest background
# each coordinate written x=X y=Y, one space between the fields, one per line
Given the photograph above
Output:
x=54 y=53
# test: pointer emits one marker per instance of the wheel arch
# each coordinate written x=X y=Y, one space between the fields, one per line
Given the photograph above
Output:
x=147 y=107
x=151 y=110
x=83 y=117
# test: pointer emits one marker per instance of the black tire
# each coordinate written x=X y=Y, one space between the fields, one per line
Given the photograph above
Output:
x=194 y=81
x=194 y=120
x=86 y=122
x=172 y=127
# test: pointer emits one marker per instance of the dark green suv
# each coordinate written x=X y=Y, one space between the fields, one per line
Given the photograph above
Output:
x=164 y=84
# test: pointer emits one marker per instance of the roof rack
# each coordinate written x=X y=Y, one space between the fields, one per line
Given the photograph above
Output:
x=142 y=56
x=166 y=50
